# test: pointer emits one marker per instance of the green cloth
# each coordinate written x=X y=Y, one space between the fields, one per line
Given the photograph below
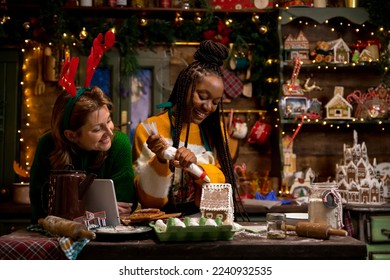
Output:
x=117 y=166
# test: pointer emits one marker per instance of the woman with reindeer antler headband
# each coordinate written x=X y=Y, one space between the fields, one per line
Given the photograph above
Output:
x=82 y=135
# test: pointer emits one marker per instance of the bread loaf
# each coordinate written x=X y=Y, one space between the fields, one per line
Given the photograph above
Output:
x=63 y=227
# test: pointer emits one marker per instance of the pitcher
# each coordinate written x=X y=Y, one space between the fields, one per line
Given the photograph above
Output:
x=66 y=190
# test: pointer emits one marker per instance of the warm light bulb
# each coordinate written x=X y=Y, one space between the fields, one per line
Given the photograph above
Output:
x=263 y=29
x=143 y=22
x=83 y=34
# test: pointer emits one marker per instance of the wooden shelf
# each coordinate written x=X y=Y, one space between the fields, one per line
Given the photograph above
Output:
x=125 y=12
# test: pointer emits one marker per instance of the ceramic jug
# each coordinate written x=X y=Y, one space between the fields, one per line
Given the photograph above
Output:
x=66 y=191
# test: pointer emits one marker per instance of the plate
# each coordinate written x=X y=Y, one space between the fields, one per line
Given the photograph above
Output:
x=119 y=233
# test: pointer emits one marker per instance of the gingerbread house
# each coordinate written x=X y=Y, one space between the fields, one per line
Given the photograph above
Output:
x=341 y=51
x=357 y=180
x=302 y=184
x=217 y=202
x=365 y=56
x=338 y=107
x=296 y=47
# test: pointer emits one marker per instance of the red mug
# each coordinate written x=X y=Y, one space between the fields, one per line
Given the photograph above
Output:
x=259 y=133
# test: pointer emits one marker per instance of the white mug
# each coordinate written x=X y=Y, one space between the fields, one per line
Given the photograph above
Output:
x=86 y=3
x=319 y=3
x=240 y=130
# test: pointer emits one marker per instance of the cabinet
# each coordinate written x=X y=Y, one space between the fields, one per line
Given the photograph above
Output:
x=372 y=225
x=318 y=143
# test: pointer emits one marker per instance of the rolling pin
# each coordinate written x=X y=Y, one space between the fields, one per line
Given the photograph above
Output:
x=315 y=230
x=63 y=227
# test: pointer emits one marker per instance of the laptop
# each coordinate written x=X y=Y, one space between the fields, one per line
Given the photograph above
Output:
x=100 y=196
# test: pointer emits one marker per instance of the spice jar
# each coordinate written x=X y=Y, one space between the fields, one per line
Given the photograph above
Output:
x=276 y=225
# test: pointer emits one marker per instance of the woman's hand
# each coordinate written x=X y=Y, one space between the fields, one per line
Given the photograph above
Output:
x=157 y=145
x=124 y=208
x=183 y=158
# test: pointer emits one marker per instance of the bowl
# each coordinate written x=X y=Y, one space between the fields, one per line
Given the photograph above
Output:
x=21 y=193
x=294 y=218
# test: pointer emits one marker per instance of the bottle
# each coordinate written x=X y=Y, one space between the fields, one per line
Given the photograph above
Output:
x=112 y=3
x=165 y=3
x=121 y=3
x=276 y=225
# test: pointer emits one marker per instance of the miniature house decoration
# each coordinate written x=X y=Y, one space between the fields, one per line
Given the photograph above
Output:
x=296 y=47
x=338 y=107
x=356 y=178
x=365 y=56
x=302 y=184
x=92 y=220
x=217 y=202
x=341 y=51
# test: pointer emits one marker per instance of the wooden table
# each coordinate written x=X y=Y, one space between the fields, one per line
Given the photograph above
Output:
x=244 y=245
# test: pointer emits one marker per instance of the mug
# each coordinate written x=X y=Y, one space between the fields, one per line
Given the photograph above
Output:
x=259 y=133
x=86 y=3
x=240 y=130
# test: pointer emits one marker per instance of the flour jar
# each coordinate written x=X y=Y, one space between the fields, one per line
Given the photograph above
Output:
x=325 y=205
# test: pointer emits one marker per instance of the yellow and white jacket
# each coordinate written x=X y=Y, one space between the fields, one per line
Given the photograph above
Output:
x=153 y=179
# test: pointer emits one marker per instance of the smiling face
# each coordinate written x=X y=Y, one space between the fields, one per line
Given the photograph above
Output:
x=205 y=99
x=96 y=134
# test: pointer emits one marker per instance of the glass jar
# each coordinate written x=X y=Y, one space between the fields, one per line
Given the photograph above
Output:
x=121 y=3
x=276 y=225
x=325 y=205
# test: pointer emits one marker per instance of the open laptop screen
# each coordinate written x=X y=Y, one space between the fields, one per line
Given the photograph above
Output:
x=100 y=196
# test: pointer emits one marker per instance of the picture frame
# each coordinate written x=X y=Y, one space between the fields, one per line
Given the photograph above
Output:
x=293 y=106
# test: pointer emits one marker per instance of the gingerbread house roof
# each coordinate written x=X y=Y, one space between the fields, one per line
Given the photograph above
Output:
x=339 y=44
x=299 y=42
x=337 y=99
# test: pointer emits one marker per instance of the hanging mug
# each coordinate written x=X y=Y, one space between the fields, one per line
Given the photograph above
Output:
x=240 y=129
x=259 y=133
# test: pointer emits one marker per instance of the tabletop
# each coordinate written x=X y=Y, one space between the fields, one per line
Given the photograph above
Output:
x=245 y=245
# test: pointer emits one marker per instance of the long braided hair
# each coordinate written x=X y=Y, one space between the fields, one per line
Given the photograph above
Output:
x=209 y=58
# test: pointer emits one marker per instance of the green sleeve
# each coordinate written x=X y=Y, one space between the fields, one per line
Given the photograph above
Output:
x=118 y=167
x=40 y=178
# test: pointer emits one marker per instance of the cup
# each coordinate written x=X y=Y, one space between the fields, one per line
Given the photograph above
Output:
x=351 y=3
x=86 y=3
x=319 y=3
x=240 y=130
x=259 y=133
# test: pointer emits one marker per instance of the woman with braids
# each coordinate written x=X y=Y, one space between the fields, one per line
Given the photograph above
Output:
x=191 y=123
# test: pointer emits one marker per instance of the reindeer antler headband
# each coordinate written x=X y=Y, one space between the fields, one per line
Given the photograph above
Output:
x=69 y=70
